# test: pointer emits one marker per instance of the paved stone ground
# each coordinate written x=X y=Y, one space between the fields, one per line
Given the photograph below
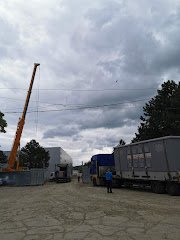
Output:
x=75 y=211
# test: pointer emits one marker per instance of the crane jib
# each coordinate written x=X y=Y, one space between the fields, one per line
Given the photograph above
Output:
x=13 y=165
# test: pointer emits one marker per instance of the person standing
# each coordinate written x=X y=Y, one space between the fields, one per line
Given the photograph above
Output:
x=108 y=177
x=79 y=177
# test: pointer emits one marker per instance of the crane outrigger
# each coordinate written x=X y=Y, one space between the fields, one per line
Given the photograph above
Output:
x=13 y=164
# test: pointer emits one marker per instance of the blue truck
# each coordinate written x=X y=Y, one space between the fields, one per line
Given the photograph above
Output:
x=99 y=165
x=150 y=163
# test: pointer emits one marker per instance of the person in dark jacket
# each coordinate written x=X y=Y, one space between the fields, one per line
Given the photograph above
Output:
x=79 y=177
x=108 y=177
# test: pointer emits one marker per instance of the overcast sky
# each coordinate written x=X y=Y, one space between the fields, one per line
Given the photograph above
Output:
x=101 y=60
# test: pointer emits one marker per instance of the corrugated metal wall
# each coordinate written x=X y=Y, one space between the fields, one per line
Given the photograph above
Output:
x=32 y=177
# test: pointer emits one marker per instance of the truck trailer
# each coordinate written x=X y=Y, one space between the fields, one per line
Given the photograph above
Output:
x=60 y=165
x=99 y=165
x=154 y=162
x=63 y=173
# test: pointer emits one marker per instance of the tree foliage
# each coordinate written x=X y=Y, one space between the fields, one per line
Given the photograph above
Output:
x=34 y=156
x=3 y=123
x=87 y=163
x=122 y=142
x=161 y=114
x=3 y=157
x=79 y=168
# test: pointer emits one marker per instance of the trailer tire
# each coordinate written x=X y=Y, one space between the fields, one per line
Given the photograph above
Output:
x=117 y=183
x=173 y=189
x=158 y=187
x=128 y=184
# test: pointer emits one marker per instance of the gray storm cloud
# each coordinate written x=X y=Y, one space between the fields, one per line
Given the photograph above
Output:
x=85 y=45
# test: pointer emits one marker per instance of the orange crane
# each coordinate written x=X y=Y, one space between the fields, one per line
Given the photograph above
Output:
x=13 y=164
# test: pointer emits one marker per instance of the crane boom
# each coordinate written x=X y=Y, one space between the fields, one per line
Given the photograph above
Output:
x=16 y=143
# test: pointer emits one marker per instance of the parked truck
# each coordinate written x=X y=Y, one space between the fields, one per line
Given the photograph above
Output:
x=154 y=162
x=60 y=165
x=63 y=173
x=99 y=165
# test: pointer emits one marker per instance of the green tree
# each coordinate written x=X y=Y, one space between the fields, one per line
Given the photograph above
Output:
x=3 y=157
x=161 y=114
x=79 y=168
x=3 y=123
x=122 y=142
x=87 y=163
x=34 y=156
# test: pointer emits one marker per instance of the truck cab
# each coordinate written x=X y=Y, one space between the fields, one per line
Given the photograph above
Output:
x=99 y=165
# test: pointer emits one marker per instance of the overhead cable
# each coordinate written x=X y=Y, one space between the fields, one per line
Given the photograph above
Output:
x=84 y=107
x=83 y=90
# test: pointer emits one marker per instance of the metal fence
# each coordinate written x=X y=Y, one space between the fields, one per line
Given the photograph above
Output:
x=31 y=177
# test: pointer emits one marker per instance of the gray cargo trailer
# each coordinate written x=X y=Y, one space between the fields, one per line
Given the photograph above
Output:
x=154 y=162
x=60 y=165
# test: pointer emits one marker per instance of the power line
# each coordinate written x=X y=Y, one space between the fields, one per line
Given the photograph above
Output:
x=84 y=107
x=14 y=99
x=83 y=90
x=50 y=104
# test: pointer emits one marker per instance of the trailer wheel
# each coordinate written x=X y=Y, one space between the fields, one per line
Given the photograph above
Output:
x=128 y=184
x=94 y=182
x=117 y=183
x=173 y=189
x=158 y=187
